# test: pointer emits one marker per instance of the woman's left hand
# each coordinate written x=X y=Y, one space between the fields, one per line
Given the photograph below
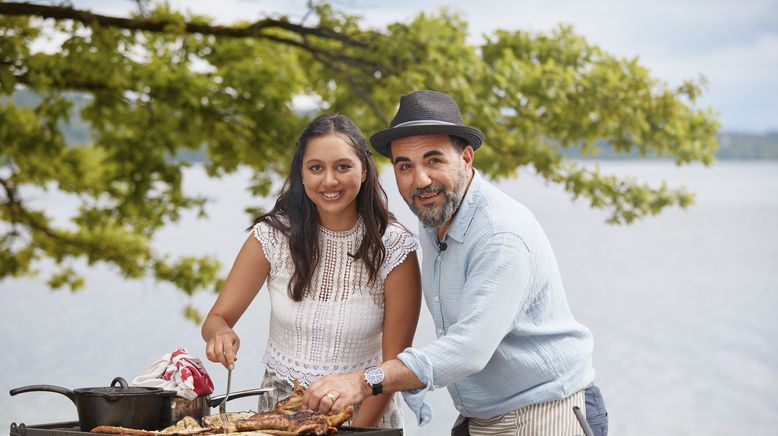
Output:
x=333 y=393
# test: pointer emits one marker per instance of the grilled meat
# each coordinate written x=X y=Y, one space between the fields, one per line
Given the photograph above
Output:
x=215 y=421
x=301 y=423
x=186 y=426
x=299 y=419
x=121 y=430
x=292 y=403
x=338 y=419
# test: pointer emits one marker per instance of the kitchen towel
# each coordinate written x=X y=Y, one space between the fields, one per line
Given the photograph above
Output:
x=177 y=371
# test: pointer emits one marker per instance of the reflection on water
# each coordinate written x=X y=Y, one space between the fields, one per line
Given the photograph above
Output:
x=682 y=306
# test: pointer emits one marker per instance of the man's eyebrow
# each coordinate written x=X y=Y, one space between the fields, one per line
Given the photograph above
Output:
x=426 y=155
x=433 y=153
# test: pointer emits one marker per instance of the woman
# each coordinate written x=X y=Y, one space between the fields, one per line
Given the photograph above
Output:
x=342 y=274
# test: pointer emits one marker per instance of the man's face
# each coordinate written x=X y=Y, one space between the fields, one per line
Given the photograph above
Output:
x=432 y=176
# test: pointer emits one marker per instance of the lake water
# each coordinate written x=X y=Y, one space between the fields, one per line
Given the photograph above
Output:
x=683 y=306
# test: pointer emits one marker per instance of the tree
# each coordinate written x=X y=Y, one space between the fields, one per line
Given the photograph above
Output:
x=161 y=82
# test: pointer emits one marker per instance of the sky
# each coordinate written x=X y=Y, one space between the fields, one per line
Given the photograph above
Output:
x=733 y=44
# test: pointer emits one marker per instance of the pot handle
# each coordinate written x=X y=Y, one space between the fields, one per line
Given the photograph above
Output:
x=48 y=388
x=217 y=399
x=122 y=383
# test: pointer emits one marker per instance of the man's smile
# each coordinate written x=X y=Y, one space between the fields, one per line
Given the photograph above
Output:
x=427 y=197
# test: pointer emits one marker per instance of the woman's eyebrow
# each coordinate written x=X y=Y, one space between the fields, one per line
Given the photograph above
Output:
x=317 y=160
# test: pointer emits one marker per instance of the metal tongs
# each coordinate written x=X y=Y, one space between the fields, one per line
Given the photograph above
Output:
x=223 y=405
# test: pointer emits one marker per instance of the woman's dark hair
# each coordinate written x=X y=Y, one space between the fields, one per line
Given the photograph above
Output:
x=294 y=214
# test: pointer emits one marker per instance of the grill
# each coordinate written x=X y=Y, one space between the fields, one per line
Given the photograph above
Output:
x=72 y=429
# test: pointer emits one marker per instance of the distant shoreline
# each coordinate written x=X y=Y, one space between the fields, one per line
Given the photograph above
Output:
x=734 y=145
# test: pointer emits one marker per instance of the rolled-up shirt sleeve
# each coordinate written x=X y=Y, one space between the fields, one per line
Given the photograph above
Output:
x=495 y=289
x=420 y=364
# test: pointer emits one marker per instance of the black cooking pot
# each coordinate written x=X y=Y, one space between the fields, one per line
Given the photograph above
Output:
x=121 y=406
x=201 y=406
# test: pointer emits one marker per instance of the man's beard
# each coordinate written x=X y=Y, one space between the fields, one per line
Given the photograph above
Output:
x=428 y=215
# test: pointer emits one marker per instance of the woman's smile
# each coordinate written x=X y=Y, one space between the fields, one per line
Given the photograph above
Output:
x=332 y=195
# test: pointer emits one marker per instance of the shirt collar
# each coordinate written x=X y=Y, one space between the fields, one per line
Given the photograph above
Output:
x=464 y=215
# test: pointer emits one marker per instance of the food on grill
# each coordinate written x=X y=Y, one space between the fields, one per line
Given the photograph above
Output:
x=122 y=430
x=298 y=423
x=303 y=422
x=293 y=406
x=292 y=403
x=215 y=421
x=289 y=415
x=176 y=430
x=289 y=418
x=186 y=426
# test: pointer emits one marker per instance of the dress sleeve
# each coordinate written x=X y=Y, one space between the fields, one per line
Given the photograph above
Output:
x=399 y=242
x=268 y=237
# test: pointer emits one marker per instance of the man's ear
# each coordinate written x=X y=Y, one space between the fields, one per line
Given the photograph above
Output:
x=467 y=156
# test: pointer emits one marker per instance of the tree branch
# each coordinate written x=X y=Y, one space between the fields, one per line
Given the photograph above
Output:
x=20 y=215
x=360 y=90
x=72 y=84
x=253 y=30
x=350 y=60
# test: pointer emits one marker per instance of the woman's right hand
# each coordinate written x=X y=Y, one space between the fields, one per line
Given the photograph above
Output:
x=223 y=347
x=245 y=279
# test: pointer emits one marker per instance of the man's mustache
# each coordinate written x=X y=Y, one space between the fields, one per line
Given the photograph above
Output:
x=427 y=190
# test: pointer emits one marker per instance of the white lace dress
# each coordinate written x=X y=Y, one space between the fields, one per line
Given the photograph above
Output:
x=337 y=327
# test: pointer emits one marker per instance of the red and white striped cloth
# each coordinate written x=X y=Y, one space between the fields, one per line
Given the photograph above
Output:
x=177 y=371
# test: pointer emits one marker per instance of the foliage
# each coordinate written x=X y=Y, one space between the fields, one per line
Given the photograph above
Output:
x=162 y=83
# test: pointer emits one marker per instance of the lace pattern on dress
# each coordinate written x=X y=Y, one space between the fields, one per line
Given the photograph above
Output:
x=337 y=327
x=306 y=374
x=268 y=237
x=399 y=243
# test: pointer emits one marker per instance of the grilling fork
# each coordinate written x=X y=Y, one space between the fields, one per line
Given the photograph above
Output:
x=223 y=405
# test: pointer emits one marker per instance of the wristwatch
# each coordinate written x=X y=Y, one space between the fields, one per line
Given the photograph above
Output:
x=374 y=376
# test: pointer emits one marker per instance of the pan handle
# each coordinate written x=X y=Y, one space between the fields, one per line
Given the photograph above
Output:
x=48 y=388
x=217 y=399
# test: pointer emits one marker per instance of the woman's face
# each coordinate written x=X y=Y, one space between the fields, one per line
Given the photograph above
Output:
x=332 y=175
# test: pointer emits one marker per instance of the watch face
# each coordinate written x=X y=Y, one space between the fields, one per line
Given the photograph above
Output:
x=374 y=375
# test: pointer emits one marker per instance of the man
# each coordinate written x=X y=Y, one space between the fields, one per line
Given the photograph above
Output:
x=508 y=349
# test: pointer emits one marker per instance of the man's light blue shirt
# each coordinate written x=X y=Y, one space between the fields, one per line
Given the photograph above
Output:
x=505 y=335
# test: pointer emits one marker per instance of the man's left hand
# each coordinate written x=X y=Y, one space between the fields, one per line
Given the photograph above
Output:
x=332 y=393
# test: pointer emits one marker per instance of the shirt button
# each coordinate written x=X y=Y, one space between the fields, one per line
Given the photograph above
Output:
x=437 y=298
x=440 y=332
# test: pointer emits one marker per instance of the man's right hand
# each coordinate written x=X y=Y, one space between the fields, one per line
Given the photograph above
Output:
x=223 y=348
